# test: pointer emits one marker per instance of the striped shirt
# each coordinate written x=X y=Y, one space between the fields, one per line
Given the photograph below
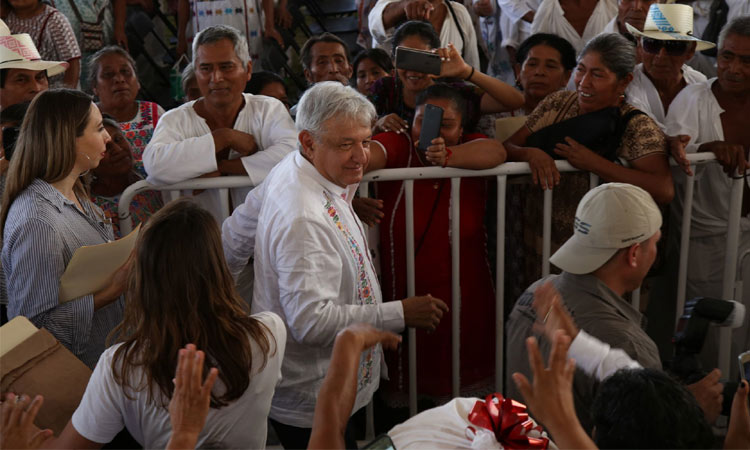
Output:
x=42 y=231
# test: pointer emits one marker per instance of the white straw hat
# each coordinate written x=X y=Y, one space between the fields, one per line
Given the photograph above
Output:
x=17 y=51
x=609 y=217
x=668 y=22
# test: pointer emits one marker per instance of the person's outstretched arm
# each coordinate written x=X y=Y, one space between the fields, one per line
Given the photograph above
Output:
x=339 y=389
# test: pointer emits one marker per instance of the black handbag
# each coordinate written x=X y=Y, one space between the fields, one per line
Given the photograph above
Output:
x=600 y=131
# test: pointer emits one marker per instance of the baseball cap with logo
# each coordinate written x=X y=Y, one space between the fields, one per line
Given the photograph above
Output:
x=609 y=217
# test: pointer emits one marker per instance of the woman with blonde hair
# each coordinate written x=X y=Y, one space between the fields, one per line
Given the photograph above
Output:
x=47 y=215
x=180 y=291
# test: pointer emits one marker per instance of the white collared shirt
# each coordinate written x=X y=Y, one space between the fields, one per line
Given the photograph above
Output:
x=642 y=93
x=696 y=112
x=550 y=18
x=307 y=271
x=183 y=148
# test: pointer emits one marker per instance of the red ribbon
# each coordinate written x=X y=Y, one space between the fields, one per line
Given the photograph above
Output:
x=509 y=421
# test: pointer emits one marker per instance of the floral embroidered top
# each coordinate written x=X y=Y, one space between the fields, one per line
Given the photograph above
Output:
x=142 y=207
x=138 y=131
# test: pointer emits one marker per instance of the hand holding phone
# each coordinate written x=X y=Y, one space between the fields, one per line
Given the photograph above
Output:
x=431 y=122
x=418 y=60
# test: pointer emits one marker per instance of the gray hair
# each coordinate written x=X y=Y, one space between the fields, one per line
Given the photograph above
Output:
x=616 y=52
x=739 y=26
x=93 y=64
x=219 y=32
x=188 y=74
x=328 y=99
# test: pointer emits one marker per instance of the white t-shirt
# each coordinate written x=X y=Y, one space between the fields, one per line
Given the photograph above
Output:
x=381 y=37
x=105 y=409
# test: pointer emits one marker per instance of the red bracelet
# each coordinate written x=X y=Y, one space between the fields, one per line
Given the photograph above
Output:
x=448 y=154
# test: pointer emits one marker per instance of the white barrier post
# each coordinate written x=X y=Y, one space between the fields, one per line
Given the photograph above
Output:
x=456 y=285
x=547 y=231
x=687 y=211
x=730 y=267
x=410 y=292
x=502 y=186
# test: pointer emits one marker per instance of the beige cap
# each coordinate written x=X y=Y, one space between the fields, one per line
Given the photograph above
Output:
x=609 y=217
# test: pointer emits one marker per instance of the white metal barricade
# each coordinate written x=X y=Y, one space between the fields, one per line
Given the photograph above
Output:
x=501 y=172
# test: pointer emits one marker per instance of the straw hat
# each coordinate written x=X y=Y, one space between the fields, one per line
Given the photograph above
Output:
x=670 y=23
x=17 y=51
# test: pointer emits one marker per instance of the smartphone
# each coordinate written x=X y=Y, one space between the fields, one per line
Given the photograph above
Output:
x=418 y=60
x=744 y=360
x=431 y=121
x=382 y=442
x=10 y=136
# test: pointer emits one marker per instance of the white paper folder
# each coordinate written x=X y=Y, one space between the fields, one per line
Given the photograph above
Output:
x=92 y=266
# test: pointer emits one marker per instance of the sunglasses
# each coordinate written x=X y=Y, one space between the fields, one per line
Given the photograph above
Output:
x=673 y=48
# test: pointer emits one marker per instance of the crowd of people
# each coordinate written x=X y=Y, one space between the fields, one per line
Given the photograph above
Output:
x=283 y=313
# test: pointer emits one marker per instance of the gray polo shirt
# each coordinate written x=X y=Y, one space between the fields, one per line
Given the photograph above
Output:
x=597 y=310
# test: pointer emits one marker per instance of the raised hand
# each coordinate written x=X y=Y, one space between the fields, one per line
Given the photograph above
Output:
x=191 y=399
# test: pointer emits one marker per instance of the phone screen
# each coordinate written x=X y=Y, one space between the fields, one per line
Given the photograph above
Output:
x=744 y=361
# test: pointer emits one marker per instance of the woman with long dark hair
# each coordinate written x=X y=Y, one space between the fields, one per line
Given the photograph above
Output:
x=180 y=291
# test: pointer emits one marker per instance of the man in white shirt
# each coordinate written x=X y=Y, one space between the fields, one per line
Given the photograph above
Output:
x=663 y=72
x=225 y=132
x=632 y=12
x=451 y=18
x=312 y=264
x=551 y=17
x=714 y=114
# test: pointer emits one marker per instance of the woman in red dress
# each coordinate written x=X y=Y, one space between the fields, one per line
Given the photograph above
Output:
x=433 y=246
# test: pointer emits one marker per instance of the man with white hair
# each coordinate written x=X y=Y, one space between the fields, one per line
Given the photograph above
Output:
x=616 y=229
x=312 y=264
x=225 y=132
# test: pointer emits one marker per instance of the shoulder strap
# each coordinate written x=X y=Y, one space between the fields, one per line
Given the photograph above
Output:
x=44 y=27
x=458 y=25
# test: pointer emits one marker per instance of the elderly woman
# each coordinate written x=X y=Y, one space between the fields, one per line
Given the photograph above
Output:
x=47 y=215
x=605 y=68
x=112 y=77
x=395 y=97
x=113 y=175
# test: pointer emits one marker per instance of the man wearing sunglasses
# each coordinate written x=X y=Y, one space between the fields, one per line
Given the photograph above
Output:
x=714 y=116
x=663 y=72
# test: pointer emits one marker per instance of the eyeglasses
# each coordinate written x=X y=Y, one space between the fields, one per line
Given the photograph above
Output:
x=673 y=48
